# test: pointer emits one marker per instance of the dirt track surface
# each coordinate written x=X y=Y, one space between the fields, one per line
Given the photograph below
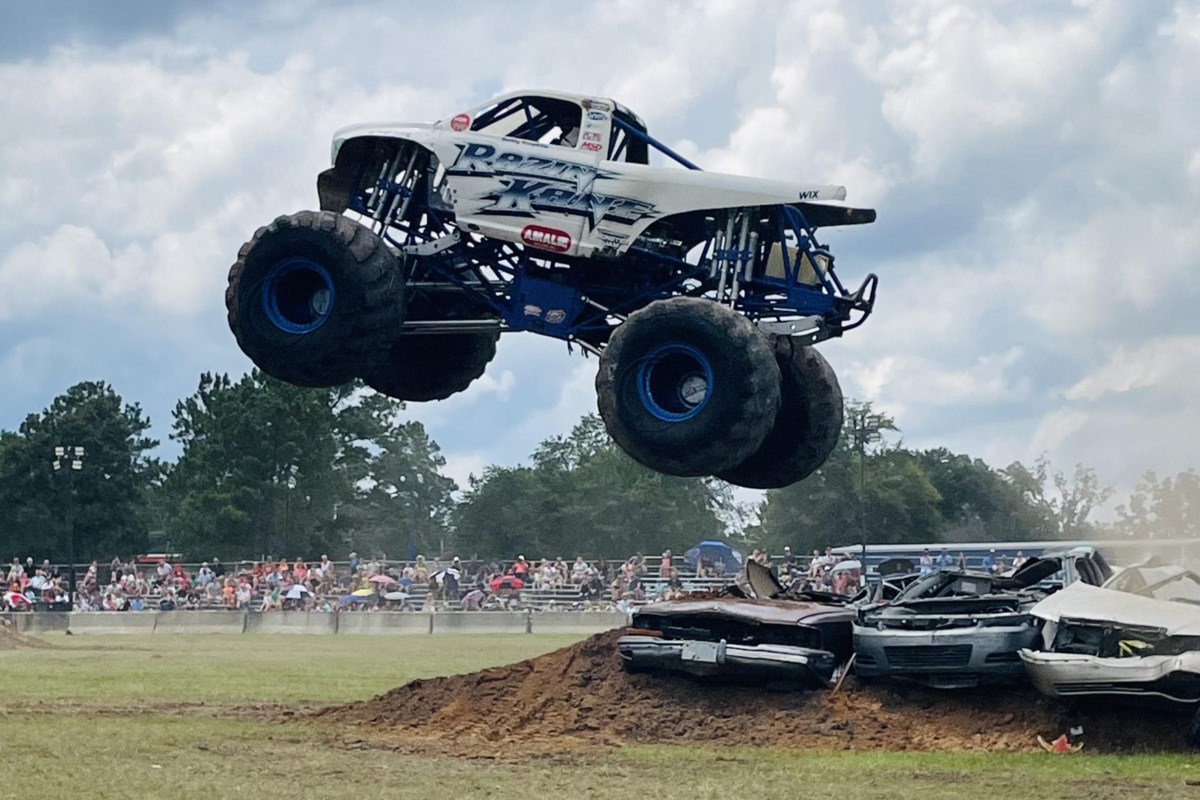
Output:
x=580 y=696
x=11 y=639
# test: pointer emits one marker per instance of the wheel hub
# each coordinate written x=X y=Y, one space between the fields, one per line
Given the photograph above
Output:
x=298 y=295
x=674 y=382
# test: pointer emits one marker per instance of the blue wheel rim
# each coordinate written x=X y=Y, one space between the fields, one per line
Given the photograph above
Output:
x=298 y=295
x=675 y=382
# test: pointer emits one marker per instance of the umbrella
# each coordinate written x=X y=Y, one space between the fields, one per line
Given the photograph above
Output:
x=297 y=591
x=349 y=599
x=384 y=579
x=362 y=593
x=715 y=550
x=396 y=596
x=507 y=582
x=842 y=566
x=16 y=599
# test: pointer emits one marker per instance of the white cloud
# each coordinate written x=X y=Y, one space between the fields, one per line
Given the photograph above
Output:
x=1035 y=169
x=461 y=466
x=501 y=385
x=1153 y=365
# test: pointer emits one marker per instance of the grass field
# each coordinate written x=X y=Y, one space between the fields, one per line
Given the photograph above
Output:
x=192 y=716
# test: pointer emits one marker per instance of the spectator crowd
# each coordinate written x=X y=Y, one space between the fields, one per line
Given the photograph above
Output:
x=160 y=583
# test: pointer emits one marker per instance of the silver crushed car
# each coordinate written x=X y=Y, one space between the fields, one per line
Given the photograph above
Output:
x=955 y=629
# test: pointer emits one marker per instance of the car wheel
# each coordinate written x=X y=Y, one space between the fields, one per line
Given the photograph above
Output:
x=806 y=428
x=313 y=296
x=688 y=387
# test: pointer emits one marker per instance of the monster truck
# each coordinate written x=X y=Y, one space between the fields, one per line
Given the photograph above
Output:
x=702 y=294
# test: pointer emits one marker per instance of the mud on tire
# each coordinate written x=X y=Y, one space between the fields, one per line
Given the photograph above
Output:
x=313 y=296
x=688 y=387
x=806 y=428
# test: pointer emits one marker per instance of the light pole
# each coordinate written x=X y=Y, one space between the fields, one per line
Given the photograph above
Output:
x=865 y=432
x=410 y=511
x=69 y=459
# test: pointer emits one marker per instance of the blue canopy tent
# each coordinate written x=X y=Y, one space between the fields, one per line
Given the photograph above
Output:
x=715 y=551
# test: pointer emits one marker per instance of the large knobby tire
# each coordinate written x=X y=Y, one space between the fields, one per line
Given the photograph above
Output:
x=313 y=296
x=688 y=387
x=424 y=367
x=807 y=426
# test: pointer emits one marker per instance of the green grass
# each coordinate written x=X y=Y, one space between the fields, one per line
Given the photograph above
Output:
x=237 y=668
x=99 y=717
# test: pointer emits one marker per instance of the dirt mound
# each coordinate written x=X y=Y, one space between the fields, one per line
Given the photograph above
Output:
x=11 y=638
x=581 y=696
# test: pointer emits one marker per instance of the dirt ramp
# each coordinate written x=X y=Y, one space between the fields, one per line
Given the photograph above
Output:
x=581 y=695
x=12 y=639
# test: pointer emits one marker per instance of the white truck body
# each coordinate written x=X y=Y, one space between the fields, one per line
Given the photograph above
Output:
x=562 y=192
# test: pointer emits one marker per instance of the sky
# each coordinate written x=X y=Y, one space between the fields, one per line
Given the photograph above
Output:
x=1035 y=166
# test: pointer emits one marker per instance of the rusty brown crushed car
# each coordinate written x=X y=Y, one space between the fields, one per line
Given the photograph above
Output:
x=760 y=633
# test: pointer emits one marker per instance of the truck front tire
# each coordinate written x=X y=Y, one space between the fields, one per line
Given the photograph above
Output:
x=688 y=387
x=313 y=296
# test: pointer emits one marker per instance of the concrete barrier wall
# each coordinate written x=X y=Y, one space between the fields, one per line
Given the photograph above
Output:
x=576 y=621
x=481 y=622
x=303 y=622
x=388 y=622
x=306 y=622
x=207 y=621
x=111 y=622
x=47 y=622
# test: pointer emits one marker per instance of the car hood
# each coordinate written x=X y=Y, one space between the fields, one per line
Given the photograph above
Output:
x=773 y=612
x=1082 y=602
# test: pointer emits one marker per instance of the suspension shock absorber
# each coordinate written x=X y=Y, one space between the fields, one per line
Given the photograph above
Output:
x=723 y=255
x=740 y=258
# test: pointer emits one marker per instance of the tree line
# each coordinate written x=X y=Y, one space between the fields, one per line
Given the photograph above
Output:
x=270 y=469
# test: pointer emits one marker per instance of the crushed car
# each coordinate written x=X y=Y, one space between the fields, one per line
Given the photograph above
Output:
x=755 y=632
x=959 y=629
x=1138 y=635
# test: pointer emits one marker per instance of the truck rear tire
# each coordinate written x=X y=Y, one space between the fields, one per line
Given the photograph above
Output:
x=806 y=428
x=424 y=367
x=420 y=368
x=688 y=387
x=314 y=296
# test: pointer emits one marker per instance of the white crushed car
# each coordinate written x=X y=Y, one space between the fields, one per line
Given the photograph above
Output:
x=1137 y=635
x=1098 y=641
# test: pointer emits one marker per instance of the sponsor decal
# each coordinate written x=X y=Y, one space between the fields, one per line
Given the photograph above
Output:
x=594 y=104
x=595 y=147
x=527 y=184
x=611 y=239
x=591 y=136
x=484 y=159
x=556 y=316
x=533 y=311
x=811 y=194
x=597 y=116
x=460 y=122
x=544 y=238
x=524 y=197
